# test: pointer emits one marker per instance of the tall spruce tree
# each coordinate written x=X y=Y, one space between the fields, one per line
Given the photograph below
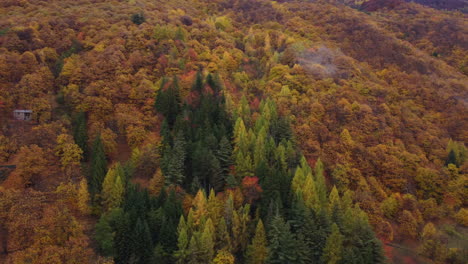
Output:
x=80 y=133
x=282 y=244
x=98 y=166
x=142 y=243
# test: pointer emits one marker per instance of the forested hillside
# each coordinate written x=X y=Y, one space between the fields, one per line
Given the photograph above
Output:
x=233 y=131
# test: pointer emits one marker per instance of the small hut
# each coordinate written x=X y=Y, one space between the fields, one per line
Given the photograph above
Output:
x=24 y=115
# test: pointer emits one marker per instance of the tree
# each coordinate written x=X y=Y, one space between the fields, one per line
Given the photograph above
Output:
x=156 y=183
x=83 y=197
x=113 y=187
x=182 y=242
x=257 y=251
x=98 y=166
x=31 y=164
x=138 y=18
x=142 y=243
x=282 y=244
x=333 y=250
x=408 y=224
x=223 y=240
x=104 y=237
x=320 y=181
x=251 y=189
x=207 y=242
x=168 y=101
x=173 y=161
x=70 y=154
x=224 y=257
x=80 y=133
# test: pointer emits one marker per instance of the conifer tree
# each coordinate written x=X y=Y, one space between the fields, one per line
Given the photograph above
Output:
x=173 y=161
x=223 y=256
x=104 y=237
x=98 y=166
x=333 y=250
x=207 y=242
x=142 y=243
x=182 y=241
x=282 y=244
x=320 y=182
x=257 y=251
x=123 y=240
x=224 y=155
x=198 y=85
x=223 y=239
x=113 y=187
x=83 y=197
x=80 y=133
x=168 y=101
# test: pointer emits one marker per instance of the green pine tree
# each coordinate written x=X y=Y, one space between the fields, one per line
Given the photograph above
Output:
x=98 y=166
x=282 y=244
x=80 y=133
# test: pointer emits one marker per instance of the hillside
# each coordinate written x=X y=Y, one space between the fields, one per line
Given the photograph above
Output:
x=233 y=131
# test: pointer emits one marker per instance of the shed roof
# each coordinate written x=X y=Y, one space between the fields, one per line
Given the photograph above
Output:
x=22 y=111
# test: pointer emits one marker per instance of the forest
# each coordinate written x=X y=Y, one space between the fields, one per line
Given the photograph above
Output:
x=233 y=131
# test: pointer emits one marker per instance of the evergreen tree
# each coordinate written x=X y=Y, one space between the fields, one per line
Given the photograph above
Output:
x=282 y=244
x=123 y=241
x=224 y=155
x=98 y=166
x=80 y=133
x=198 y=85
x=173 y=161
x=451 y=158
x=257 y=251
x=168 y=101
x=333 y=251
x=104 y=237
x=142 y=243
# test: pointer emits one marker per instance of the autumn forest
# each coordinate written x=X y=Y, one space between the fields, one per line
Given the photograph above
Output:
x=233 y=131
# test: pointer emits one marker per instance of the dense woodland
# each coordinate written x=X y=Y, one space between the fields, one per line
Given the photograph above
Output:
x=233 y=131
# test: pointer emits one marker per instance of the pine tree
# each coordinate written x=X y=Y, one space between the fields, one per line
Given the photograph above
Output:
x=257 y=251
x=198 y=85
x=282 y=244
x=123 y=241
x=80 y=134
x=224 y=155
x=98 y=166
x=168 y=101
x=333 y=251
x=142 y=243
x=104 y=237
x=173 y=161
